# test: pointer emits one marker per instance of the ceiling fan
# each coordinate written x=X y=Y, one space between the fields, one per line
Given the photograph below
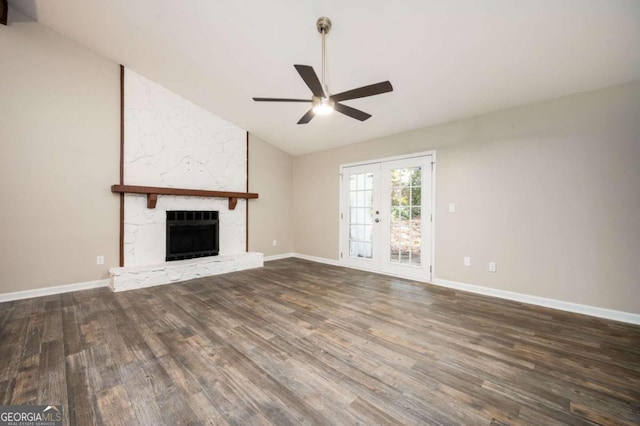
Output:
x=322 y=102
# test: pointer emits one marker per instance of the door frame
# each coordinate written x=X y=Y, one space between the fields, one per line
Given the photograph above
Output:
x=341 y=222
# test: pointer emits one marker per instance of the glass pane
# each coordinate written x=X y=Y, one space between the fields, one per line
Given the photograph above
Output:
x=395 y=215
x=406 y=235
x=394 y=244
x=416 y=178
x=353 y=216
x=355 y=231
x=416 y=213
x=360 y=216
x=368 y=199
x=360 y=232
x=360 y=249
x=404 y=255
x=416 y=196
x=367 y=216
x=352 y=182
x=406 y=176
x=416 y=238
x=405 y=196
x=368 y=233
x=369 y=181
x=415 y=256
x=395 y=178
x=353 y=201
x=395 y=197
x=360 y=181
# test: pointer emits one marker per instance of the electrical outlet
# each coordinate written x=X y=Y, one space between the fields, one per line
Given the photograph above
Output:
x=467 y=261
x=492 y=266
x=275 y=243
x=99 y=260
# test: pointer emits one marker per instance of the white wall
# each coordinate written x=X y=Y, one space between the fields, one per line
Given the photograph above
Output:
x=59 y=155
x=550 y=192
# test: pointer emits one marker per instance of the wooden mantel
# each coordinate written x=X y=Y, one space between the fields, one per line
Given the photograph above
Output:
x=152 y=193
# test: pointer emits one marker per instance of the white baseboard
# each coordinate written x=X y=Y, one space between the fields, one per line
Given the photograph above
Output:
x=47 y=291
x=317 y=259
x=303 y=256
x=278 y=257
x=543 y=301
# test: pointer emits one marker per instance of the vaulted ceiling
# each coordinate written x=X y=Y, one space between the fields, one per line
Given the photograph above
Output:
x=446 y=59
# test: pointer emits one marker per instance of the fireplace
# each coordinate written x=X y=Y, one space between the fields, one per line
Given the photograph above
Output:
x=192 y=234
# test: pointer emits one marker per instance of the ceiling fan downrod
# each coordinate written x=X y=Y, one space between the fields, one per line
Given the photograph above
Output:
x=323 y=105
x=323 y=24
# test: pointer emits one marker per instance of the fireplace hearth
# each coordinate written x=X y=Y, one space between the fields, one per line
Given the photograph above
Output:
x=192 y=234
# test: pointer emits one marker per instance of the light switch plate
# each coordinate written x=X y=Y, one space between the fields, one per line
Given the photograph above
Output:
x=452 y=207
x=467 y=261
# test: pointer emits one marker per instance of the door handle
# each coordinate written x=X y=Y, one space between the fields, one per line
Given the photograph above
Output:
x=377 y=220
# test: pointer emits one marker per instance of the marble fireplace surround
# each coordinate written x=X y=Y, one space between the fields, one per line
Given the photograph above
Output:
x=169 y=142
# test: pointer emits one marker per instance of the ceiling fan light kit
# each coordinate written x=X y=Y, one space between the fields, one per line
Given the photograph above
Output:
x=322 y=106
x=322 y=102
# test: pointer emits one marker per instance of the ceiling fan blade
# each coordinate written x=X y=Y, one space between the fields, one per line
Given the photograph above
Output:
x=280 y=100
x=362 y=92
x=311 y=79
x=351 y=112
x=307 y=117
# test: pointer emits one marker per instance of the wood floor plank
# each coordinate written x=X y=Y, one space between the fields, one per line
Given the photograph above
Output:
x=298 y=342
x=52 y=385
x=81 y=396
x=114 y=407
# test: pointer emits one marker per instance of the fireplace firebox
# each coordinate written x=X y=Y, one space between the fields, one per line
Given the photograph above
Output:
x=192 y=234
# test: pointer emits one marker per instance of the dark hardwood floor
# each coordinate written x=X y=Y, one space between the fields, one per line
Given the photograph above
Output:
x=298 y=342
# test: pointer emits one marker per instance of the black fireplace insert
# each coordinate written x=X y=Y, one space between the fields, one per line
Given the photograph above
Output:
x=192 y=234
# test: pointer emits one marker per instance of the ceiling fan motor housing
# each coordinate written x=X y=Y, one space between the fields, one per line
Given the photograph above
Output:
x=323 y=24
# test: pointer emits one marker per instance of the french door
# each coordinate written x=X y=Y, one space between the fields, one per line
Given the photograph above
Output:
x=386 y=217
